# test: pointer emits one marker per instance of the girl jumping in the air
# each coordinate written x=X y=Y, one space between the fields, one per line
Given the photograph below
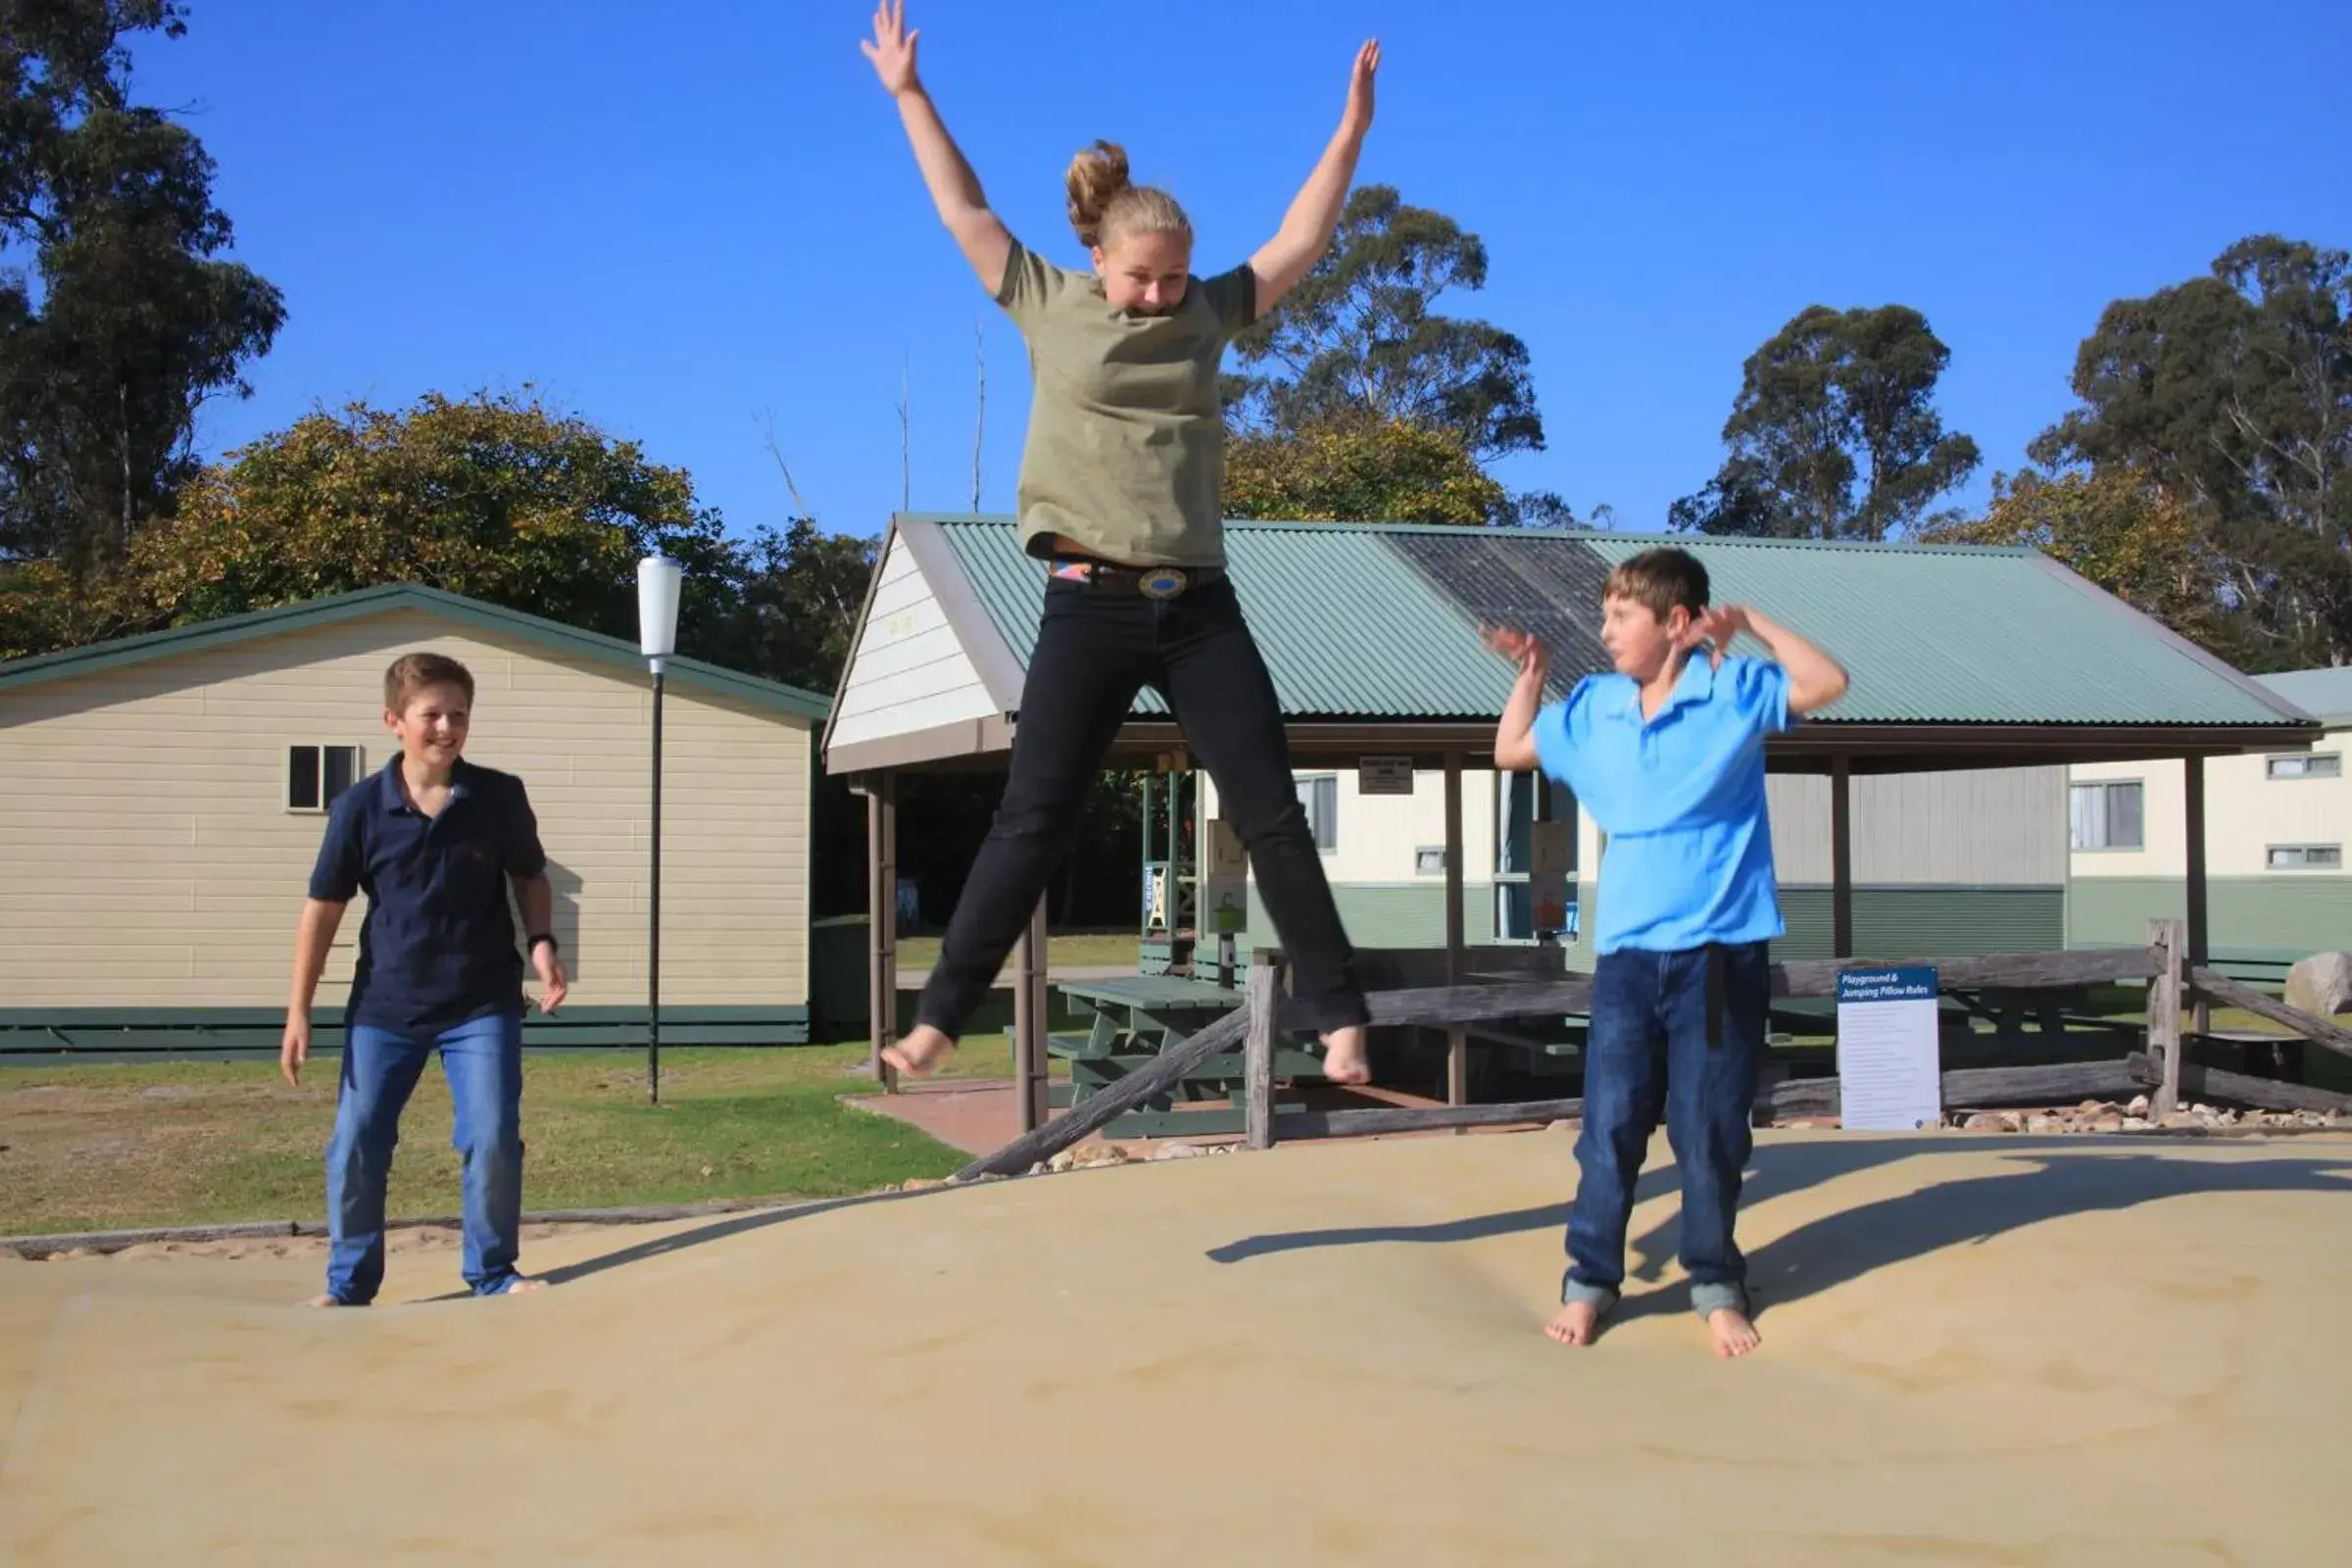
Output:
x=1121 y=498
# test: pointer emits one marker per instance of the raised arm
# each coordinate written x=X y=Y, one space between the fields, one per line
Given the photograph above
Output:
x=955 y=188
x=1314 y=214
x=1815 y=679
x=1515 y=732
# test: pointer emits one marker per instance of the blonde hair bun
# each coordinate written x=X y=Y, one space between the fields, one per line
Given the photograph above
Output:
x=1095 y=176
x=1105 y=202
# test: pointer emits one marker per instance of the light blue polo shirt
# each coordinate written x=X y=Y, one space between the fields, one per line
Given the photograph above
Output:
x=1681 y=797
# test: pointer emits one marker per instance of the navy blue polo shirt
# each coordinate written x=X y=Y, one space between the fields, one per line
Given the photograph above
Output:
x=438 y=947
x=1681 y=796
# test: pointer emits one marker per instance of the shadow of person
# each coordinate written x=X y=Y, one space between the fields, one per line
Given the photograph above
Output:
x=1842 y=1246
x=719 y=1230
x=1773 y=1169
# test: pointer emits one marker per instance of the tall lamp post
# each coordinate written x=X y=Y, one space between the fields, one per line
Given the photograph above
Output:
x=657 y=582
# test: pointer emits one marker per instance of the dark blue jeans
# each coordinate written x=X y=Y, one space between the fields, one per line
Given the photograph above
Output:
x=483 y=1058
x=1653 y=1047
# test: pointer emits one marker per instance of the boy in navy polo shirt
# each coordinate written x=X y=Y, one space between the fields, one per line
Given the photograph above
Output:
x=433 y=841
x=1667 y=755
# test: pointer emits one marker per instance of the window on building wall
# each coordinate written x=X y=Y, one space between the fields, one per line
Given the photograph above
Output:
x=1319 y=792
x=2108 y=815
x=2309 y=765
x=2306 y=857
x=316 y=774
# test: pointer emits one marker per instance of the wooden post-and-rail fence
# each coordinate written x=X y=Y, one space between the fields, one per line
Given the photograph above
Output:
x=2161 y=1070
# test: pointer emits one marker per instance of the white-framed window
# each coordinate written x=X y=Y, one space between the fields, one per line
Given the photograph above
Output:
x=316 y=774
x=2305 y=857
x=1319 y=792
x=2108 y=815
x=2305 y=765
x=1429 y=860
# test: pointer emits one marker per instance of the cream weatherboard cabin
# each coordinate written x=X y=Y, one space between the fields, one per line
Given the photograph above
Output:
x=1944 y=864
x=2277 y=826
x=162 y=799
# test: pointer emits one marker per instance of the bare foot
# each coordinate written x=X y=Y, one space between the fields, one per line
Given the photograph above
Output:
x=1577 y=1323
x=919 y=1052
x=1733 y=1332
x=522 y=1283
x=323 y=1300
x=1344 y=1056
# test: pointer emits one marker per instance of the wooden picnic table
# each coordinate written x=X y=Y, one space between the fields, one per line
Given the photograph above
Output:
x=1136 y=1017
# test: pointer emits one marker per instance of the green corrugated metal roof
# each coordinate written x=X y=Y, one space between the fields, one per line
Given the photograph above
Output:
x=1408 y=654
x=334 y=607
x=1379 y=620
x=2325 y=694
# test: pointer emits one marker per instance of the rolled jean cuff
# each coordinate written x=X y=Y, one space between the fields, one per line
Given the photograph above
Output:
x=1708 y=1298
x=1576 y=1293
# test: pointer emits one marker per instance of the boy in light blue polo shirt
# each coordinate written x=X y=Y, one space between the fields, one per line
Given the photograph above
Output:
x=1667 y=754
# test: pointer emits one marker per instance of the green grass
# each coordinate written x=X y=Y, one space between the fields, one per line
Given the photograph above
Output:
x=191 y=1143
x=1074 y=950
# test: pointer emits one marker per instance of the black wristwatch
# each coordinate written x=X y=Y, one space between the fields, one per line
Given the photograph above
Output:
x=548 y=937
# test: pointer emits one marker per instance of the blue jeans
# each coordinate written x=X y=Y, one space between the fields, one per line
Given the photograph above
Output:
x=1654 y=1045
x=483 y=1058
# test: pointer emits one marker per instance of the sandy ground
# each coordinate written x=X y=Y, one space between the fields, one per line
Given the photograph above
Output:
x=1979 y=1351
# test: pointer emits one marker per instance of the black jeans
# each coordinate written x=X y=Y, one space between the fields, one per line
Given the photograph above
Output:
x=1097 y=646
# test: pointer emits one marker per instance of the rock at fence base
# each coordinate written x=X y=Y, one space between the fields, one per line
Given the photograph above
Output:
x=1177 y=1151
x=1984 y=1121
x=2322 y=984
x=2013 y=1121
x=1085 y=1156
x=2136 y=1124
x=2044 y=1124
x=2139 y=1106
x=2107 y=1124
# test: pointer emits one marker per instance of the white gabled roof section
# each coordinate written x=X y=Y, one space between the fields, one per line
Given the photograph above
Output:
x=912 y=684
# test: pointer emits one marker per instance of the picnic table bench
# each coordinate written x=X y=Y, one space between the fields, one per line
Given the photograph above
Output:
x=1136 y=1017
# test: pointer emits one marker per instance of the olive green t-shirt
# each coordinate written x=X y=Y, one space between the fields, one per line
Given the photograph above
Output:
x=1126 y=449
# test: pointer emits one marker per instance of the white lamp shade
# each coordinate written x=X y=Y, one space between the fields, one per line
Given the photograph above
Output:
x=657 y=582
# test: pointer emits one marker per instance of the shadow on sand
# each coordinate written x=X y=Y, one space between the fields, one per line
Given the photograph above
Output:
x=2046 y=1179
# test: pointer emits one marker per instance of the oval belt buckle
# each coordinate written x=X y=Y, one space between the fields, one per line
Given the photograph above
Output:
x=1164 y=582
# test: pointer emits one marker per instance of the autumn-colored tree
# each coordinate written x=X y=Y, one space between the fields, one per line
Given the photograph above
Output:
x=2115 y=528
x=497 y=498
x=43 y=607
x=500 y=498
x=1352 y=469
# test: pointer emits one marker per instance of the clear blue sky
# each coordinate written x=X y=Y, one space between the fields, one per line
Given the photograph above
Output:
x=683 y=220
